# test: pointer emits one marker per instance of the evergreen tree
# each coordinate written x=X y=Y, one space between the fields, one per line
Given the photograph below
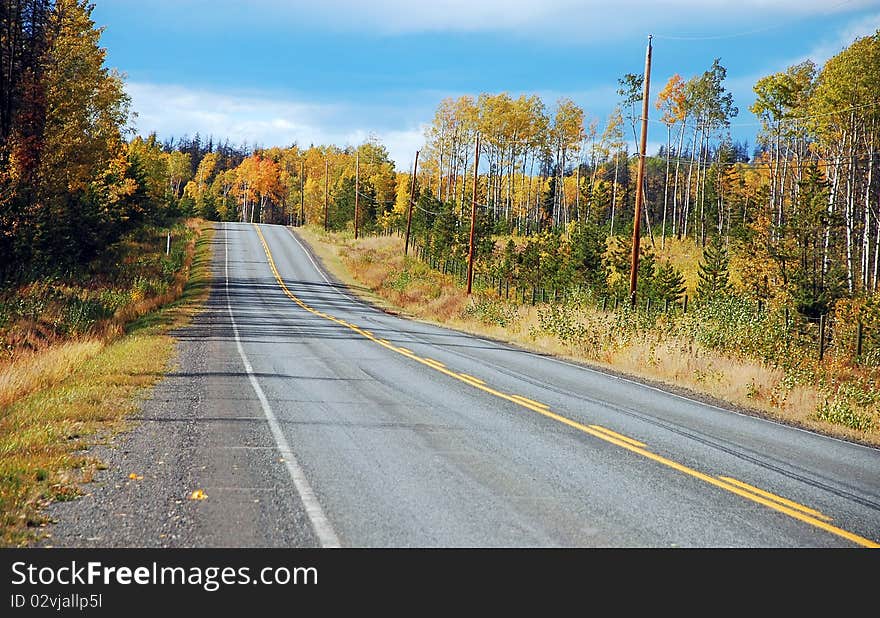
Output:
x=342 y=212
x=530 y=261
x=555 y=265
x=714 y=273
x=484 y=245
x=814 y=291
x=669 y=284
x=443 y=234
x=620 y=265
x=588 y=254
x=508 y=261
x=547 y=205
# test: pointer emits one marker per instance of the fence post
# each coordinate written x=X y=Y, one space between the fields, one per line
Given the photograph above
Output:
x=821 y=336
x=533 y=294
x=666 y=306
x=684 y=307
x=604 y=303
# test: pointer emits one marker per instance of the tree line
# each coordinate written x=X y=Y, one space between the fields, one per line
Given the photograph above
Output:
x=802 y=205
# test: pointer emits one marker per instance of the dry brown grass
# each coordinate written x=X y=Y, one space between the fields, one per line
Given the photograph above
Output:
x=33 y=371
x=373 y=267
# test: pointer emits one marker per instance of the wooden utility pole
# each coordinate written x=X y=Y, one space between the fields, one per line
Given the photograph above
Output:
x=357 y=189
x=326 y=195
x=640 y=187
x=302 y=194
x=470 y=270
x=412 y=199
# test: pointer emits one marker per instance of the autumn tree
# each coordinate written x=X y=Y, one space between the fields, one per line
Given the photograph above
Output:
x=673 y=103
x=75 y=184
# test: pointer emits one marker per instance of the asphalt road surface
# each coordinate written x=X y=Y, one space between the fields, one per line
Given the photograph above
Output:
x=309 y=418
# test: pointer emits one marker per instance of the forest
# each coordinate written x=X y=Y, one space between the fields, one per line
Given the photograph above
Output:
x=797 y=213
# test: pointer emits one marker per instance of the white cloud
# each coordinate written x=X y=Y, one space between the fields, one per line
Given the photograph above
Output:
x=831 y=45
x=858 y=28
x=261 y=119
x=583 y=20
x=589 y=18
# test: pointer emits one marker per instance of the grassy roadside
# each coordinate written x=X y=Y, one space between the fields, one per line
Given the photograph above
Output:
x=57 y=400
x=834 y=400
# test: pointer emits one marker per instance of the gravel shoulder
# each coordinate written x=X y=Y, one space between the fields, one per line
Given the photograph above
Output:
x=201 y=428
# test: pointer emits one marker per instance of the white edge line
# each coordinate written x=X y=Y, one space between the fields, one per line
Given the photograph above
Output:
x=323 y=529
x=591 y=369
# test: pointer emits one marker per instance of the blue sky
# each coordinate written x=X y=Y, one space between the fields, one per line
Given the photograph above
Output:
x=275 y=72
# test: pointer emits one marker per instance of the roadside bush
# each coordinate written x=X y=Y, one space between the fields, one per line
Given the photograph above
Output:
x=491 y=311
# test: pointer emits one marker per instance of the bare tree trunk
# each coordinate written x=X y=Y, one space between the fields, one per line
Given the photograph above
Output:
x=701 y=184
x=774 y=180
x=687 y=195
x=782 y=191
x=848 y=217
x=614 y=192
x=832 y=196
x=866 y=232
x=439 y=172
x=876 y=282
x=676 y=227
x=666 y=185
x=527 y=205
x=563 y=196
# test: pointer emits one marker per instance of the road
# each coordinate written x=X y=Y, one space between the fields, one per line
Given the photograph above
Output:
x=310 y=418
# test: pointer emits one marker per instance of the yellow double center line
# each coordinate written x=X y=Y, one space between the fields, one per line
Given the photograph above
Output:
x=765 y=498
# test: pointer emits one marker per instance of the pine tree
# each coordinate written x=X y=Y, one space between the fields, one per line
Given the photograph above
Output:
x=443 y=235
x=669 y=283
x=714 y=273
x=548 y=205
x=620 y=263
x=508 y=261
x=588 y=254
